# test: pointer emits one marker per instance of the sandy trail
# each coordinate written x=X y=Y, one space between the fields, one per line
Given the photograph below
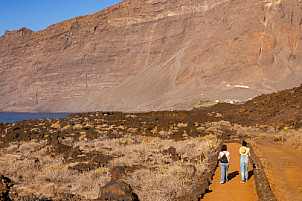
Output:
x=232 y=190
x=282 y=165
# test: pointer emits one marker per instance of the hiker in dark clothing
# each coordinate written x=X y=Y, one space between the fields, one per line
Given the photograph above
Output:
x=224 y=158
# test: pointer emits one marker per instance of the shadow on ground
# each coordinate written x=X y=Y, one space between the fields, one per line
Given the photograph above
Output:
x=233 y=175
x=251 y=173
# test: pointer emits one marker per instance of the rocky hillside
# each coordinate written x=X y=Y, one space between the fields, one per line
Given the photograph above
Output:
x=280 y=109
x=153 y=55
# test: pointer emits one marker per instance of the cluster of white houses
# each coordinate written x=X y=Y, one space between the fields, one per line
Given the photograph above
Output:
x=238 y=86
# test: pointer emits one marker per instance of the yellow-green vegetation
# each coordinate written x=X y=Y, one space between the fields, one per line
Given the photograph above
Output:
x=125 y=141
x=201 y=128
x=201 y=102
x=56 y=125
x=210 y=137
x=59 y=166
x=143 y=141
x=121 y=127
x=88 y=125
x=102 y=170
x=82 y=136
x=78 y=126
x=161 y=169
x=154 y=130
x=65 y=128
x=182 y=125
x=285 y=129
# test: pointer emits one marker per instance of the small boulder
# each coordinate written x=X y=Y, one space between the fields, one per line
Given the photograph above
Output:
x=118 y=174
x=5 y=185
x=117 y=190
x=172 y=152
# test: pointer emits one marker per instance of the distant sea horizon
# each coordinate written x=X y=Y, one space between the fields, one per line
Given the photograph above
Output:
x=11 y=117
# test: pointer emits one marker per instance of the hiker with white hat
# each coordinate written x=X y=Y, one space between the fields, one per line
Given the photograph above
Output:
x=244 y=161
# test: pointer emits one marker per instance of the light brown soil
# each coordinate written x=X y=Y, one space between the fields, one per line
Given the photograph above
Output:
x=232 y=190
x=282 y=165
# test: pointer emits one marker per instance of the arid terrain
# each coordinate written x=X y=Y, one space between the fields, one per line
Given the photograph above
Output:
x=154 y=88
x=144 y=55
x=165 y=155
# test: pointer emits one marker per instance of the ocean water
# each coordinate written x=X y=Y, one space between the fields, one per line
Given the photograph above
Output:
x=11 y=117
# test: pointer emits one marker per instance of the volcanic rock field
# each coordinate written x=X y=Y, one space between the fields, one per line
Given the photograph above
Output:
x=162 y=155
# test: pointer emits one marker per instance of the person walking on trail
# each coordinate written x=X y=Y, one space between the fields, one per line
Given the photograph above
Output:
x=244 y=161
x=224 y=158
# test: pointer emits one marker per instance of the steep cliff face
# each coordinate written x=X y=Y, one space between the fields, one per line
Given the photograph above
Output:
x=153 y=54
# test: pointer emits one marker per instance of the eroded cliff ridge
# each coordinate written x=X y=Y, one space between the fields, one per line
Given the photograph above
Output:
x=142 y=55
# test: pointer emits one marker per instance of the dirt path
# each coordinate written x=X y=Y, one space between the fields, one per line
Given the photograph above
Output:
x=282 y=165
x=232 y=190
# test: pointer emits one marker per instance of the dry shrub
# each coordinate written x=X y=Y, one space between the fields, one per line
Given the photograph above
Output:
x=193 y=147
x=143 y=152
x=215 y=128
x=100 y=144
x=149 y=152
x=88 y=183
x=291 y=137
x=161 y=179
x=163 y=183
x=32 y=146
x=48 y=175
x=157 y=185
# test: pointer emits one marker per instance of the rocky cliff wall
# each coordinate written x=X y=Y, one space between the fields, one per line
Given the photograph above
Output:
x=153 y=55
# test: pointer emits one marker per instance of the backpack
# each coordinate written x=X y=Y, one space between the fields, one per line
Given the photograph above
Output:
x=224 y=158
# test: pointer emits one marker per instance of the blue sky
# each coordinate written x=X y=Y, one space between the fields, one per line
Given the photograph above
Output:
x=39 y=14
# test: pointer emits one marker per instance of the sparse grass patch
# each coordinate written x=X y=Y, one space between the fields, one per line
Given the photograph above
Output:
x=48 y=175
x=290 y=137
x=157 y=181
x=164 y=183
x=162 y=169
x=285 y=129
